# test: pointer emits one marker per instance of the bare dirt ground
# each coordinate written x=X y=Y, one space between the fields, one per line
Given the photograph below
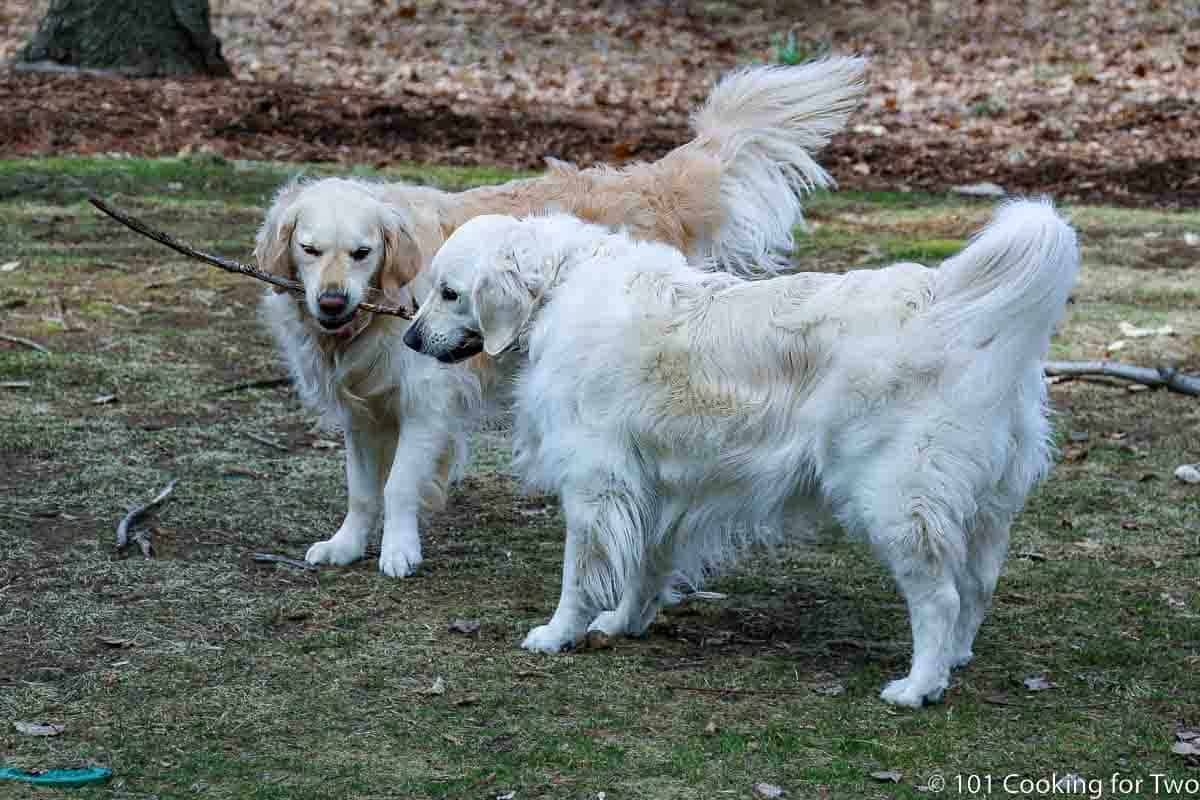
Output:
x=1095 y=100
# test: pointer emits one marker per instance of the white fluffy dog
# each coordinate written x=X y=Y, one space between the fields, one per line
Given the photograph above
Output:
x=681 y=414
x=732 y=194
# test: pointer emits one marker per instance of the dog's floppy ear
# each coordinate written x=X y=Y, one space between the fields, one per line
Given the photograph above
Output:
x=272 y=245
x=502 y=306
x=403 y=256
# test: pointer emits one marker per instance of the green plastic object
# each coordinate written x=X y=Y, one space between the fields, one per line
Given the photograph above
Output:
x=56 y=777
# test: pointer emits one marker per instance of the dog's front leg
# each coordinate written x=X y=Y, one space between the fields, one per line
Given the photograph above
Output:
x=367 y=455
x=570 y=619
x=421 y=445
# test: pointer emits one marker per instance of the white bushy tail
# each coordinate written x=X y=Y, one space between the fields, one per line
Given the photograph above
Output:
x=766 y=123
x=1008 y=289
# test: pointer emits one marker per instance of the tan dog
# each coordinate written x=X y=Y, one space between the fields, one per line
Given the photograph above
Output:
x=731 y=195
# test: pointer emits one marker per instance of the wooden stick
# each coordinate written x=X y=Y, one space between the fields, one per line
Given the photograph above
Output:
x=291 y=562
x=1165 y=377
x=264 y=383
x=227 y=264
x=265 y=440
x=706 y=690
x=30 y=343
x=141 y=511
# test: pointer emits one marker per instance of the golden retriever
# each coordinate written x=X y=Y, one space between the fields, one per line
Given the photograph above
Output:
x=731 y=195
x=682 y=414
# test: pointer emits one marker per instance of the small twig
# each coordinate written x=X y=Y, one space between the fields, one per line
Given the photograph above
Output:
x=706 y=690
x=291 y=562
x=1164 y=377
x=139 y=512
x=16 y=384
x=265 y=383
x=142 y=537
x=227 y=264
x=30 y=343
x=1004 y=701
x=266 y=441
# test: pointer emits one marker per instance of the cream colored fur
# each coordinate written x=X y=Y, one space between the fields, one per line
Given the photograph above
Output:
x=731 y=194
x=682 y=414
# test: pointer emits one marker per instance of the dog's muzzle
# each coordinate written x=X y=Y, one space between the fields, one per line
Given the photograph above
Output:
x=471 y=344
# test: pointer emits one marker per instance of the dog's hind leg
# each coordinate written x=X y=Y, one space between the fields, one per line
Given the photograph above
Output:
x=987 y=545
x=924 y=555
x=368 y=455
x=638 y=607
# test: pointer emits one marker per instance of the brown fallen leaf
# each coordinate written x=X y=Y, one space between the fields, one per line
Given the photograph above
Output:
x=39 y=728
x=1185 y=749
x=1038 y=683
x=718 y=639
x=1188 y=473
x=830 y=689
x=467 y=700
x=598 y=640
x=112 y=641
x=438 y=687
x=465 y=626
x=1074 y=452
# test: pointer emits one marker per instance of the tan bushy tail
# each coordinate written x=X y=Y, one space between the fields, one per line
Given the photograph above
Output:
x=765 y=124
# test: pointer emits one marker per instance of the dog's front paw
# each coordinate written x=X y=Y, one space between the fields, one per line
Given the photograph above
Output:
x=399 y=563
x=548 y=639
x=339 y=551
x=907 y=692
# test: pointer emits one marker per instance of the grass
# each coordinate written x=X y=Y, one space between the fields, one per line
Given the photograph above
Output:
x=202 y=673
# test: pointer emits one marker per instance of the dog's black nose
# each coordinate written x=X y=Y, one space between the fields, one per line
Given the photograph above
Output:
x=332 y=303
x=412 y=338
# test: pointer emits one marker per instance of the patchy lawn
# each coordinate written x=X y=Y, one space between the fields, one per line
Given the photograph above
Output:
x=202 y=673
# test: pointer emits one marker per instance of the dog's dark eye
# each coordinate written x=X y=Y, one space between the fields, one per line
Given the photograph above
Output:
x=312 y=251
x=448 y=294
x=361 y=253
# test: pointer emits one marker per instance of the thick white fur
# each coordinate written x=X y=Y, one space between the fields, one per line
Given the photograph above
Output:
x=732 y=193
x=682 y=414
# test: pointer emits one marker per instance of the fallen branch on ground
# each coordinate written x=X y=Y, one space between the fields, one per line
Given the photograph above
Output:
x=707 y=690
x=265 y=383
x=1155 y=377
x=123 y=528
x=30 y=343
x=291 y=562
x=266 y=441
x=227 y=264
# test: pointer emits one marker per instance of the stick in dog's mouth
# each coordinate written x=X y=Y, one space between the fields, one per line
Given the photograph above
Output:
x=229 y=265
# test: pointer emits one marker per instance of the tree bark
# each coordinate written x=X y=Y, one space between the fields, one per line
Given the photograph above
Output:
x=143 y=38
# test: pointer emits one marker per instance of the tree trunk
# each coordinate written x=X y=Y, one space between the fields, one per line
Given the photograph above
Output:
x=144 y=38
